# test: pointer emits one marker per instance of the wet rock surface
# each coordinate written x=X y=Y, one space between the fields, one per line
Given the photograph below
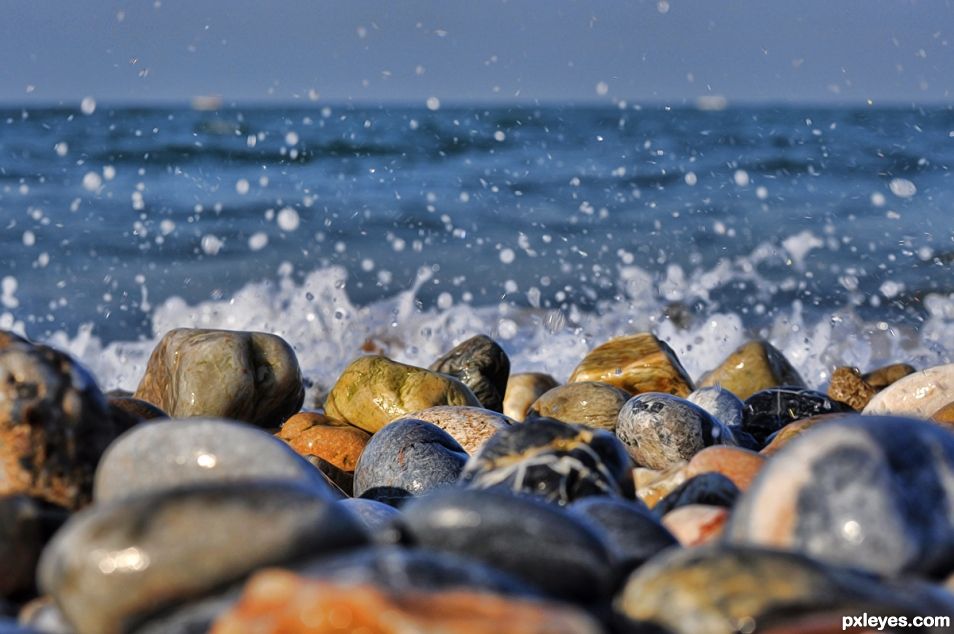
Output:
x=523 y=389
x=373 y=391
x=660 y=430
x=406 y=458
x=314 y=434
x=918 y=394
x=175 y=453
x=480 y=364
x=587 y=403
x=848 y=387
x=768 y=411
x=721 y=404
x=862 y=492
x=711 y=489
x=553 y=460
x=753 y=367
x=54 y=423
x=636 y=363
x=248 y=376
x=26 y=525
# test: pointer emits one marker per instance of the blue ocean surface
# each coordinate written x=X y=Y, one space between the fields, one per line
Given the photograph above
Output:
x=829 y=231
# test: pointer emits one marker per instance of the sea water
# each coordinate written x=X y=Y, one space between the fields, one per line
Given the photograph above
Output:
x=404 y=230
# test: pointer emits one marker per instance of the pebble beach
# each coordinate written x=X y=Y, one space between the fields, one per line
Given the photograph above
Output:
x=464 y=497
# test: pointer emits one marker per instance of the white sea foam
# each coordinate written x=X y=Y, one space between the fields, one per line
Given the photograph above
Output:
x=327 y=330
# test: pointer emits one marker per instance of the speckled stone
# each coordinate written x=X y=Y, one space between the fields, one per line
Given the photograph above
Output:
x=721 y=404
x=711 y=489
x=863 y=491
x=587 y=403
x=848 y=387
x=248 y=376
x=482 y=365
x=113 y=564
x=314 y=434
x=469 y=426
x=373 y=391
x=633 y=534
x=635 y=363
x=696 y=524
x=54 y=423
x=882 y=377
x=919 y=394
x=793 y=430
x=278 y=601
x=26 y=524
x=377 y=517
x=737 y=464
x=553 y=460
x=724 y=589
x=660 y=430
x=523 y=389
x=408 y=457
x=409 y=568
x=768 y=411
x=653 y=485
x=754 y=366
x=138 y=408
x=549 y=548
x=173 y=453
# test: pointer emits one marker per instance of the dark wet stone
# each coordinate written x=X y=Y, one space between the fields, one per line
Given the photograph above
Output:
x=769 y=410
x=630 y=529
x=407 y=457
x=174 y=453
x=881 y=378
x=755 y=365
x=481 y=365
x=404 y=569
x=726 y=589
x=115 y=564
x=744 y=439
x=721 y=404
x=137 y=408
x=587 y=403
x=54 y=423
x=378 y=518
x=660 y=430
x=26 y=525
x=553 y=460
x=342 y=480
x=538 y=542
x=866 y=491
x=712 y=489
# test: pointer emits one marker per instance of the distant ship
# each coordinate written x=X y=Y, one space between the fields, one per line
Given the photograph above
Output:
x=206 y=102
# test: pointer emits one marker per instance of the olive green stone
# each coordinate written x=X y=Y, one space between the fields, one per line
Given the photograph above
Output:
x=753 y=367
x=588 y=403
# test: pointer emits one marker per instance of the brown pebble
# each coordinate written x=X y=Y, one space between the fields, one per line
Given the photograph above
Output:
x=314 y=434
x=737 y=464
x=885 y=376
x=280 y=602
x=696 y=524
x=653 y=485
x=944 y=415
x=848 y=387
x=635 y=363
x=523 y=389
x=793 y=430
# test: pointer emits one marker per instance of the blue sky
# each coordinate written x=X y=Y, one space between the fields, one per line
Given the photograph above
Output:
x=652 y=51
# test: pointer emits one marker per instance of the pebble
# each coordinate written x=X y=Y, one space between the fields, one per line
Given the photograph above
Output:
x=660 y=430
x=711 y=489
x=481 y=365
x=696 y=524
x=553 y=460
x=885 y=376
x=944 y=414
x=538 y=542
x=753 y=367
x=727 y=589
x=865 y=491
x=635 y=363
x=248 y=376
x=277 y=601
x=54 y=423
x=373 y=391
x=793 y=430
x=633 y=534
x=42 y=615
x=136 y=407
x=114 y=564
x=848 y=387
x=378 y=518
x=918 y=394
x=26 y=524
x=737 y=464
x=588 y=403
x=314 y=434
x=721 y=404
x=408 y=457
x=175 y=453
x=469 y=426
x=653 y=485
x=523 y=390
x=769 y=410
